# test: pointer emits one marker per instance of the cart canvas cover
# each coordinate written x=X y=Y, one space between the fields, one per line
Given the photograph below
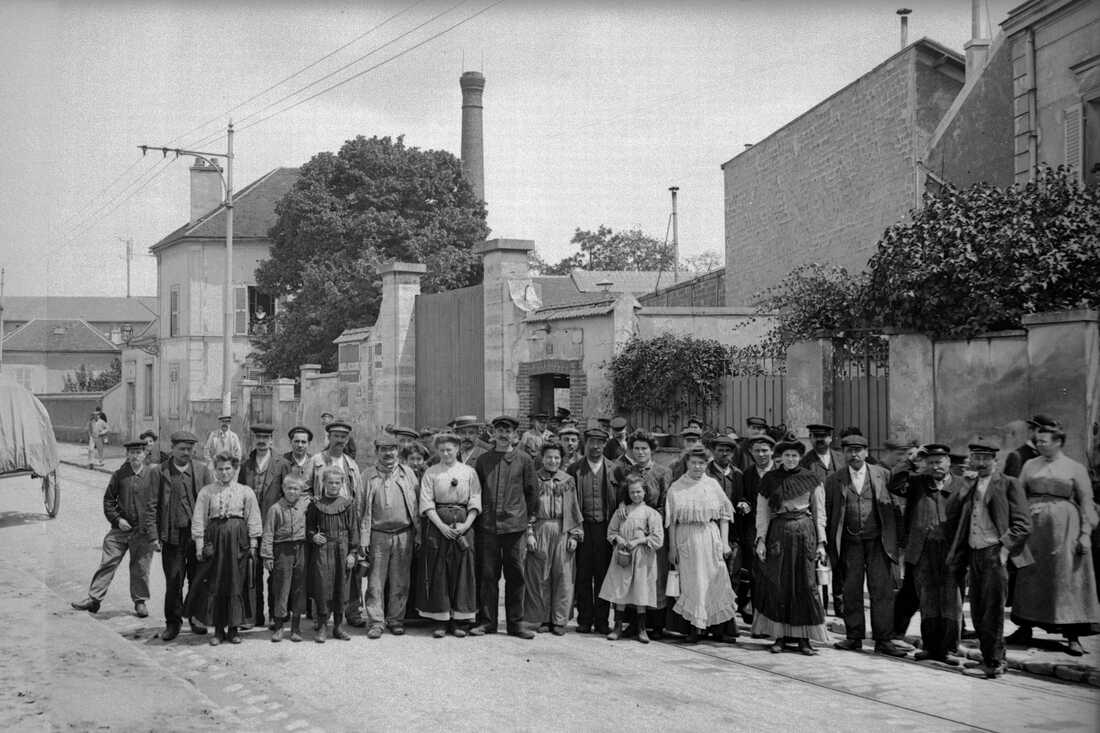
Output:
x=26 y=433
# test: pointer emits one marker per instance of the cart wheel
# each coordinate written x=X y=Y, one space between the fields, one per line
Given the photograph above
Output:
x=51 y=494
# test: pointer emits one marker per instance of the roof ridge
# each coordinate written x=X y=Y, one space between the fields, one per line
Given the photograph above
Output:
x=17 y=330
x=106 y=340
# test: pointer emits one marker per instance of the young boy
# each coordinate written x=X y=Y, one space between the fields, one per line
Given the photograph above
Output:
x=283 y=550
x=332 y=526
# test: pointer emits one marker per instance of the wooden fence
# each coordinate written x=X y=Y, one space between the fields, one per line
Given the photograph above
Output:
x=742 y=397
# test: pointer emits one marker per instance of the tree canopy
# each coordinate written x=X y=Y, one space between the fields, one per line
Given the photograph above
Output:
x=374 y=201
x=84 y=379
x=606 y=249
x=971 y=261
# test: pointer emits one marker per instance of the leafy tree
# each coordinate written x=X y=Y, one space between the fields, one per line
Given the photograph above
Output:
x=84 y=379
x=374 y=201
x=702 y=263
x=812 y=299
x=605 y=249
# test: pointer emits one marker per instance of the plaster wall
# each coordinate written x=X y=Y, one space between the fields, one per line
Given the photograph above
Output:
x=729 y=326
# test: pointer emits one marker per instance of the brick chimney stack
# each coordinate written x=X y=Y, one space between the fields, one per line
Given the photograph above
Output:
x=206 y=189
x=473 y=149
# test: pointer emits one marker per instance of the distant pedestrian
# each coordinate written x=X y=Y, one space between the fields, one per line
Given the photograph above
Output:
x=97 y=436
x=631 y=579
x=552 y=538
x=223 y=440
x=124 y=504
x=332 y=528
x=153 y=453
x=226 y=528
x=283 y=549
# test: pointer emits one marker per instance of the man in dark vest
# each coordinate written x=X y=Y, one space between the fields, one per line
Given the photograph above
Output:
x=729 y=477
x=822 y=460
x=862 y=540
x=761 y=449
x=597 y=491
x=173 y=487
x=263 y=472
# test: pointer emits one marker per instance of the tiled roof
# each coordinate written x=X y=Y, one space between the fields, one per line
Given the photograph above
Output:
x=581 y=306
x=622 y=281
x=349 y=335
x=140 y=309
x=253 y=211
x=554 y=289
x=58 y=335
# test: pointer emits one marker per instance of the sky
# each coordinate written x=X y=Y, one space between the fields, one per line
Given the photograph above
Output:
x=592 y=110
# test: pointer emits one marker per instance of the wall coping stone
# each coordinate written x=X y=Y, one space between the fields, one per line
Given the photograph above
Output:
x=687 y=310
x=1009 y=333
x=1085 y=315
x=504 y=245
x=411 y=268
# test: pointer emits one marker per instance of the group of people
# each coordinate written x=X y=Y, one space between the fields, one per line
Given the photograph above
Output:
x=589 y=524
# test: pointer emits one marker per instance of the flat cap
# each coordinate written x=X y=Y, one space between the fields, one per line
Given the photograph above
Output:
x=134 y=443
x=935 y=449
x=853 y=441
x=299 y=429
x=326 y=412
x=537 y=416
x=725 y=440
x=182 y=436
x=505 y=420
x=337 y=425
x=262 y=428
x=691 y=433
x=894 y=445
x=225 y=417
x=597 y=433
x=464 y=421
x=984 y=444
x=562 y=412
x=758 y=422
x=765 y=438
x=403 y=432
x=569 y=430
x=1041 y=420
x=385 y=440
x=618 y=423
x=819 y=428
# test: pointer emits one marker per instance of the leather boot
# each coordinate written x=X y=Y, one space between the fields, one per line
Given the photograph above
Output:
x=616 y=632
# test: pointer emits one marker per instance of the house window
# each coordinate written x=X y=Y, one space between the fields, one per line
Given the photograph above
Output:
x=378 y=355
x=174 y=390
x=174 y=311
x=253 y=310
x=348 y=362
x=148 y=391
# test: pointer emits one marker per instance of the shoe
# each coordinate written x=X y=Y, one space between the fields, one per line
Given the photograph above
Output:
x=544 y=628
x=603 y=630
x=171 y=631
x=140 y=610
x=215 y=640
x=198 y=627
x=692 y=636
x=459 y=631
x=973 y=665
x=923 y=655
x=969 y=634
x=319 y=634
x=584 y=628
x=1073 y=648
x=776 y=648
x=397 y=630
x=615 y=634
x=806 y=648
x=295 y=635
x=357 y=622
x=339 y=633
x=642 y=635
x=481 y=630
x=557 y=630
x=277 y=634
x=521 y=633
x=849 y=645
x=273 y=625
x=439 y=632
x=994 y=672
x=890 y=649
x=657 y=634
x=1021 y=636
x=374 y=632
x=233 y=636
x=90 y=605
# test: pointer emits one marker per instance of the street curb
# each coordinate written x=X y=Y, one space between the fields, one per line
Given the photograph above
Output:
x=1079 y=673
x=86 y=467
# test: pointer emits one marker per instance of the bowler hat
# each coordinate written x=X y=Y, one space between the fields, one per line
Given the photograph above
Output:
x=562 y=412
x=182 y=436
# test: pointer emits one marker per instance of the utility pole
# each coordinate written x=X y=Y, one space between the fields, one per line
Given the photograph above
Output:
x=675 y=238
x=227 y=294
x=129 y=256
x=1 y=319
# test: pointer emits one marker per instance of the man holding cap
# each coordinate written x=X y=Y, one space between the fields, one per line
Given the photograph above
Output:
x=173 y=488
x=509 y=499
x=298 y=460
x=617 y=448
x=389 y=532
x=597 y=492
x=994 y=524
x=263 y=472
x=822 y=460
x=124 y=505
x=861 y=519
x=223 y=440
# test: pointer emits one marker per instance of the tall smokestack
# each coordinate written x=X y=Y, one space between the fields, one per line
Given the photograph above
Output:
x=977 y=48
x=473 y=148
x=904 y=13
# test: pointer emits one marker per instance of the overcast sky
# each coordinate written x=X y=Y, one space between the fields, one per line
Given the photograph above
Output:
x=592 y=110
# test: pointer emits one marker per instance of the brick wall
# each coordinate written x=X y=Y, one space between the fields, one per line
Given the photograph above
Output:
x=825 y=186
x=707 y=290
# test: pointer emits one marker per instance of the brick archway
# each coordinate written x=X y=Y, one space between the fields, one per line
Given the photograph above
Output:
x=529 y=374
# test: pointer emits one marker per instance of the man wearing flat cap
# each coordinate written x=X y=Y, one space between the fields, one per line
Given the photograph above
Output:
x=861 y=519
x=223 y=440
x=263 y=472
x=298 y=460
x=823 y=459
x=617 y=448
x=754 y=428
x=597 y=492
x=932 y=510
x=124 y=505
x=509 y=502
x=1014 y=461
x=570 y=439
x=173 y=487
x=389 y=532
x=690 y=439
x=993 y=527
x=761 y=448
x=327 y=418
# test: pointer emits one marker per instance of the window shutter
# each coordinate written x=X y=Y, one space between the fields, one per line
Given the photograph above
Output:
x=1075 y=144
x=241 y=310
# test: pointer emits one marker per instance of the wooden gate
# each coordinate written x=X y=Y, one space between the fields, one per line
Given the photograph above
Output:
x=860 y=389
x=450 y=356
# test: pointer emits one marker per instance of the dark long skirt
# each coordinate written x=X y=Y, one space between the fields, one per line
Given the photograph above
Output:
x=446 y=587
x=329 y=578
x=787 y=601
x=219 y=595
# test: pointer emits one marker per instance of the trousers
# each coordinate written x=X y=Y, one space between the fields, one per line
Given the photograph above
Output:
x=593 y=557
x=865 y=559
x=179 y=564
x=988 y=592
x=288 y=580
x=115 y=546
x=496 y=553
x=391 y=564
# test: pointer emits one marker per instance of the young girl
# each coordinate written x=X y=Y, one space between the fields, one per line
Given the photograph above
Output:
x=226 y=528
x=284 y=552
x=552 y=541
x=332 y=528
x=631 y=579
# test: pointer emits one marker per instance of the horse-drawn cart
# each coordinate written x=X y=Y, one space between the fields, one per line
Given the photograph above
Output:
x=27 y=444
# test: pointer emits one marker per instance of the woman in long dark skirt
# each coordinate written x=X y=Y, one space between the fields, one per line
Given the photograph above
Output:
x=332 y=531
x=450 y=500
x=790 y=539
x=226 y=526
